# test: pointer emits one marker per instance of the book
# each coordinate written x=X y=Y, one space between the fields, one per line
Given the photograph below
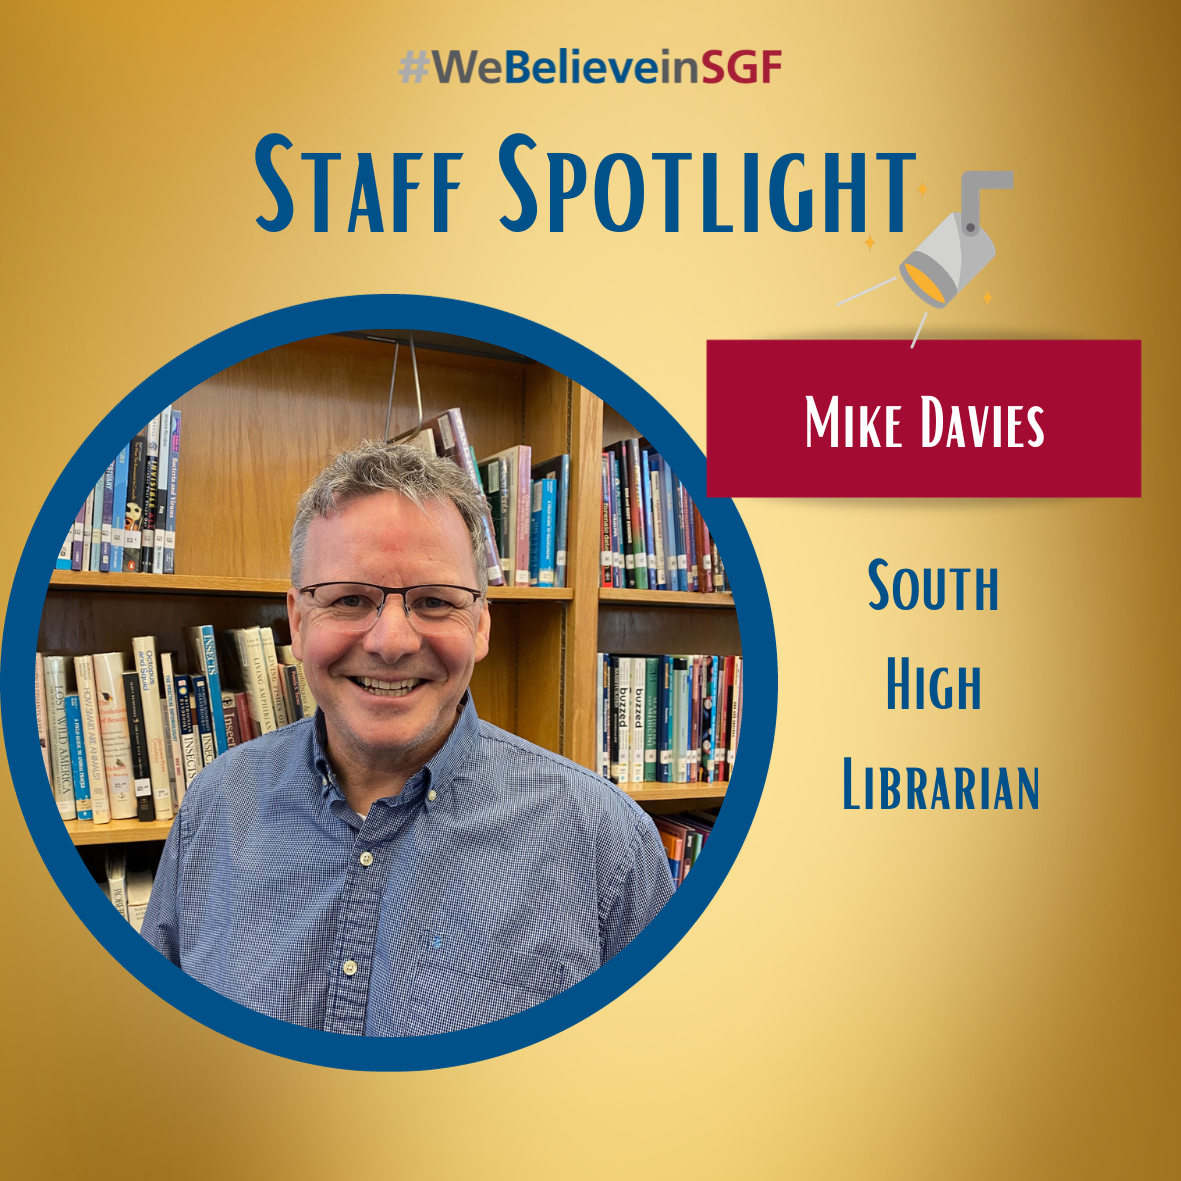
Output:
x=247 y=647
x=271 y=659
x=190 y=738
x=204 y=717
x=119 y=508
x=606 y=557
x=558 y=470
x=286 y=656
x=116 y=868
x=77 y=742
x=165 y=432
x=515 y=486
x=646 y=514
x=151 y=492
x=141 y=768
x=61 y=768
x=96 y=773
x=229 y=711
x=87 y=530
x=63 y=555
x=171 y=719
x=664 y=731
x=139 y=894
x=622 y=666
x=651 y=707
x=144 y=649
x=116 y=740
x=673 y=839
x=76 y=541
x=542 y=533
x=170 y=511
x=638 y=708
x=96 y=525
x=133 y=519
x=105 y=518
x=656 y=499
x=490 y=480
x=202 y=648
x=42 y=714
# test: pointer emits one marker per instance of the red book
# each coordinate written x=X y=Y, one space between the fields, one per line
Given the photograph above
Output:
x=705 y=581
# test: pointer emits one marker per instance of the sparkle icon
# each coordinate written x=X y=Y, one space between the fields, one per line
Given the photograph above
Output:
x=870 y=242
x=987 y=298
x=922 y=189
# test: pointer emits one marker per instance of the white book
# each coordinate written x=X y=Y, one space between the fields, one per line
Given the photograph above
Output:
x=56 y=687
x=42 y=715
x=87 y=530
x=172 y=724
x=117 y=877
x=273 y=678
x=512 y=561
x=624 y=698
x=424 y=441
x=92 y=739
x=639 y=695
x=112 y=717
x=257 y=684
x=164 y=435
x=139 y=894
x=144 y=649
x=602 y=759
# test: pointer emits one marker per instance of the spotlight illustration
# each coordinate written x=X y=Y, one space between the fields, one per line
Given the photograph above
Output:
x=957 y=250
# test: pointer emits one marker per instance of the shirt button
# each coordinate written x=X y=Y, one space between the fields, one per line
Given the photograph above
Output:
x=366 y=858
x=430 y=795
x=323 y=781
x=349 y=968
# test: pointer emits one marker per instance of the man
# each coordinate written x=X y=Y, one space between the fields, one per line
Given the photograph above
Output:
x=395 y=866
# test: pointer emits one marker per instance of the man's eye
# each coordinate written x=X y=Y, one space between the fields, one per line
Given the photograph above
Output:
x=350 y=601
x=431 y=604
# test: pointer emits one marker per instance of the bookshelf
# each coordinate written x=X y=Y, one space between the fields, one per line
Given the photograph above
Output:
x=253 y=438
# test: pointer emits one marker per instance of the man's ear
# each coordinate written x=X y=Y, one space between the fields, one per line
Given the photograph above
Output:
x=483 y=630
x=295 y=621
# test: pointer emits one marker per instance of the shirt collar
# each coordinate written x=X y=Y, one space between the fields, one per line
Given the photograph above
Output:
x=439 y=773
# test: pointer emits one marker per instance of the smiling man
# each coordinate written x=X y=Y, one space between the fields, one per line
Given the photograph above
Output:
x=395 y=866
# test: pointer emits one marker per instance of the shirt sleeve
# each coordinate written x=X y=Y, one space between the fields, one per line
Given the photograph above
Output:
x=642 y=885
x=161 y=921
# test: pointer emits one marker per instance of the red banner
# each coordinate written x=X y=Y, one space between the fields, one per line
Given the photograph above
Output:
x=945 y=418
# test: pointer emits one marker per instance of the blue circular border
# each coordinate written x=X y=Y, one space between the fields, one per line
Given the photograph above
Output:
x=22 y=622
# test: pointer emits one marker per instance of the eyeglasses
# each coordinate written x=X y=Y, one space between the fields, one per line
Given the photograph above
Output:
x=354 y=607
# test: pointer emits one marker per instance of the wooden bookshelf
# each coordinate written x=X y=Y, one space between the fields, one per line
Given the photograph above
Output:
x=117 y=832
x=253 y=437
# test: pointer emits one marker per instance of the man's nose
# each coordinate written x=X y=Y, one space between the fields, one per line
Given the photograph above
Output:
x=392 y=634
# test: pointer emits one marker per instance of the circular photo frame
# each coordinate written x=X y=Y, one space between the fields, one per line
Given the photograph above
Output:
x=420 y=314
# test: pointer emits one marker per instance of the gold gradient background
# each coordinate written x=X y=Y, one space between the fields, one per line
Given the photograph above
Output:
x=895 y=995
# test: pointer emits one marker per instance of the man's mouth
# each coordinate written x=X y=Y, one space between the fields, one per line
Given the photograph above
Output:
x=386 y=688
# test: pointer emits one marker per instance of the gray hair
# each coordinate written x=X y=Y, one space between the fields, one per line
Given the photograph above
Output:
x=374 y=466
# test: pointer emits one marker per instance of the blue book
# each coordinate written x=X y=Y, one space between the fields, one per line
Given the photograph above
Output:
x=664 y=721
x=119 y=508
x=678 y=534
x=104 y=559
x=558 y=469
x=203 y=657
x=78 y=756
x=654 y=582
x=204 y=726
x=63 y=555
x=543 y=533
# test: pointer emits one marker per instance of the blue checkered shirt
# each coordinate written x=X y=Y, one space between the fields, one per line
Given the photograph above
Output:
x=500 y=875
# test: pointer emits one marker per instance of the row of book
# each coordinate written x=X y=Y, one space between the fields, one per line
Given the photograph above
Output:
x=528 y=503
x=128 y=523
x=668 y=719
x=653 y=535
x=128 y=890
x=122 y=743
x=683 y=837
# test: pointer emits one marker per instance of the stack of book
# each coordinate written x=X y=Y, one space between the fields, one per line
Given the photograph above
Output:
x=123 y=736
x=653 y=536
x=128 y=890
x=128 y=523
x=668 y=719
x=683 y=837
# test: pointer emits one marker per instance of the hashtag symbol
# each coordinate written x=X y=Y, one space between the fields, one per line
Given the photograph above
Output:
x=412 y=65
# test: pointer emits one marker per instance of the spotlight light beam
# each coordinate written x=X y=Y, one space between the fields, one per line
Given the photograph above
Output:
x=869 y=289
x=919 y=329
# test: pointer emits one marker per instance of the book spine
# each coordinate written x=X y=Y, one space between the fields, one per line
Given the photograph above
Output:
x=618 y=560
x=694 y=744
x=563 y=520
x=133 y=522
x=171 y=722
x=638 y=709
x=460 y=451
x=535 y=533
x=654 y=496
x=87 y=531
x=204 y=718
x=230 y=712
x=626 y=700
x=151 y=492
x=651 y=707
x=59 y=736
x=119 y=508
x=606 y=562
x=625 y=515
x=305 y=691
x=670 y=534
x=600 y=759
x=141 y=770
x=664 y=721
x=108 y=509
x=165 y=433
x=736 y=711
x=170 y=512
x=704 y=565
x=190 y=741
x=524 y=532
x=294 y=691
x=715 y=669
x=96 y=772
x=247 y=726
x=636 y=508
x=144 y=648
x=267 y=639
x=543 y=528
x=690 y=542
x=722 y=709
x=116 y=741
x=78 y=757
x=42 y=714
x=254 y=667
x=96 y=524
x=680 y=718
x=646 y=506
x=117 y=878
x=76 y=539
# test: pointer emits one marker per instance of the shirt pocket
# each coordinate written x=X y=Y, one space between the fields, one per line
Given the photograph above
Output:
x=464 y=982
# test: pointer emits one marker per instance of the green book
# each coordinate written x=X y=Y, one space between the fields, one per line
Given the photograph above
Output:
x=650 y=716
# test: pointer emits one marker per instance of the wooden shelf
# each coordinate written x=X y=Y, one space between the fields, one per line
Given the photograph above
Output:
x=207 y=584
x=659 y=598
x=677 y=791
x=118 y=832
